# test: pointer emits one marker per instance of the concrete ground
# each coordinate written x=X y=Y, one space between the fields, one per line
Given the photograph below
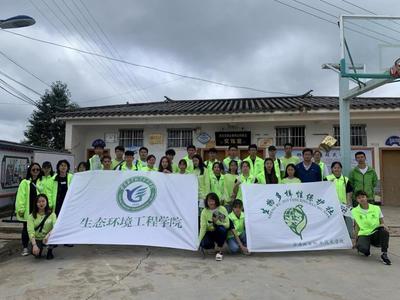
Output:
x=130 y=272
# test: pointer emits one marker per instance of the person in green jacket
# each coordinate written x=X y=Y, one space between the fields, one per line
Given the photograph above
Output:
x=232 y=155
x=288 y=158
x=244 y=178
x=170 y=153
x=28 y=190
x=212 y=158
x=229 y=183
x=290 y=175
x=94 y=163
x=142 y=161
x=119 y=157
x=165 y=165
x=191 y=151
x=40 y=224
x=268 y=175
x=182 y=165
x=317 y=159
x=106 y=163
x=237 y=235
x=217 y=181
x=256 y=163
x=59 y=186
x=370 y=227
x=82 y=167
x=202 y=176
x=214 y=225
x=278 y=165
x=128 y=164
x=363 y=178
x=48 y=174
x=151 y=162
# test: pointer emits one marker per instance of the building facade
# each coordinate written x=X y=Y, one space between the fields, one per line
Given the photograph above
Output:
x=304 y=121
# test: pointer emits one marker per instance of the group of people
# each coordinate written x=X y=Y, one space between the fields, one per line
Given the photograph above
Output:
x=40 y=196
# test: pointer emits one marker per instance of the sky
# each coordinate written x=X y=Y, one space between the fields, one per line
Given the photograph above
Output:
x=260 y=44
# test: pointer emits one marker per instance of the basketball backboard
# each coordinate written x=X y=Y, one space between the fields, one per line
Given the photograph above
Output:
x=370 y=46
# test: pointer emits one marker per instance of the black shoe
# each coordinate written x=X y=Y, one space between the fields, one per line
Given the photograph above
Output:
x=49 y=254
x=385 y=259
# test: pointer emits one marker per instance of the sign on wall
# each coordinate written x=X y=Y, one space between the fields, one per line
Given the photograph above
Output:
x=129 y=208
x=238 y=138
x=155 y=139
x=13 y=170
x=294 y=217
x=393 y=140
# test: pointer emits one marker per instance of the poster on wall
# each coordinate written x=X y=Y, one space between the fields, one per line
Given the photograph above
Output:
x=13 y=170
x=334 y=155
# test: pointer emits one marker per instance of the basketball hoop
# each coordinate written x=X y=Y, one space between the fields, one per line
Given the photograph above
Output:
x=395 y=70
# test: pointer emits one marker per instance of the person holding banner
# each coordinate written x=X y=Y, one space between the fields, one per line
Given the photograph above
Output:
x=170 y=153
x=119 y=157
x=244 y=178
x=94 y=163
x=214 y=225
x=344 y=191
x=59 y=186
x=267 y=175
x=40 y=223
x=151 y=161
x=290 y=175
x=128 y=165
x=165 y=165
x=237 y=235
x=217 y=181
x=229 y=184
x=202 y=176
x=25 y=202
x=370 y=227
x=182 y=165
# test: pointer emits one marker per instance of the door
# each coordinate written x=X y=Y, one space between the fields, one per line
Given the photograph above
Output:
x=390 y=164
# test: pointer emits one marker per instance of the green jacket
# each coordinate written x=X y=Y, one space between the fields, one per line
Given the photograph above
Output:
x=206 y=223
x=47 y=227
x=217 y=186
x=229 y=183
x=367 y=222
x=115 y=164
x=287 y=180
x=257 y=167
x=292 y=160
x=22 y=199
x=227 y=161
x=203 y=182
x=238 y=223
x=189 y=163
x=124 y=167
x=209 y=165
x=244 y=180
x=364 y=182
x=175 y=168
x=54 y=189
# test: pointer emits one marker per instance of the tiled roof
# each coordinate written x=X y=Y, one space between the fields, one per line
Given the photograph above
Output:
x=228 y=106
x=7 y=145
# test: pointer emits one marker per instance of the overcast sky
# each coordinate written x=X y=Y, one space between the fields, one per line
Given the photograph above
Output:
x=257 y=43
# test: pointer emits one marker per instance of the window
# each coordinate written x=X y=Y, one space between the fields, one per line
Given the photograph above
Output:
x=131 y=137
x=179 y=137
x=358 y=135
x=293 y=134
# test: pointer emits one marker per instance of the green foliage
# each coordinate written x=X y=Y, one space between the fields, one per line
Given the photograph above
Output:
x=43 y=129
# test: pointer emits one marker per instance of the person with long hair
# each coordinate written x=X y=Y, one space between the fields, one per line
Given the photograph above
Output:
x=82 y=167
x=47 y=177
x=229 y=183
x=28 y=190
x=165 y=165
x=268 y=176
x=290 y=175
x=217 y=182
x=214 y=225
x=244 y=178
x=40 y=224
x=202 y=176
x=61 y=182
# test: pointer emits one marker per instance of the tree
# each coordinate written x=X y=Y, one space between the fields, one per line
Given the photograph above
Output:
x=44 y=129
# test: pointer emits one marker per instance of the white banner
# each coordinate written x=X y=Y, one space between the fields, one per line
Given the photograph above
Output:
x=294 y=217
x=129 y=208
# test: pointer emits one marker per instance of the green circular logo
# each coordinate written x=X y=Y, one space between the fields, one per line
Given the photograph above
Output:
x=136 y=193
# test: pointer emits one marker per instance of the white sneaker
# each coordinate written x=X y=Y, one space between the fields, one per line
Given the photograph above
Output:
x=219 y=256
x=25 y=252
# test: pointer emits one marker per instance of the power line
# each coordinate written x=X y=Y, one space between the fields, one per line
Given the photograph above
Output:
x=149 y=67
x=20 y=83
x=23 y=68
x=111 y=49
x=16 y=93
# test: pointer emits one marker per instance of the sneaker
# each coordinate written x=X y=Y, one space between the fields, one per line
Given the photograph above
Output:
x=385 y=259
x=25 y=252
x=219 y=256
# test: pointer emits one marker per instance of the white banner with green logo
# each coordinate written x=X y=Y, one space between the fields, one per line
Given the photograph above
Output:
x=129 y=208
x=294 y=217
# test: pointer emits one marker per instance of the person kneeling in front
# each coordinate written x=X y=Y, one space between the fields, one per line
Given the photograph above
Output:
x=370 y=227
x=40 y=223
x=214 y=225
x=237 y=235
